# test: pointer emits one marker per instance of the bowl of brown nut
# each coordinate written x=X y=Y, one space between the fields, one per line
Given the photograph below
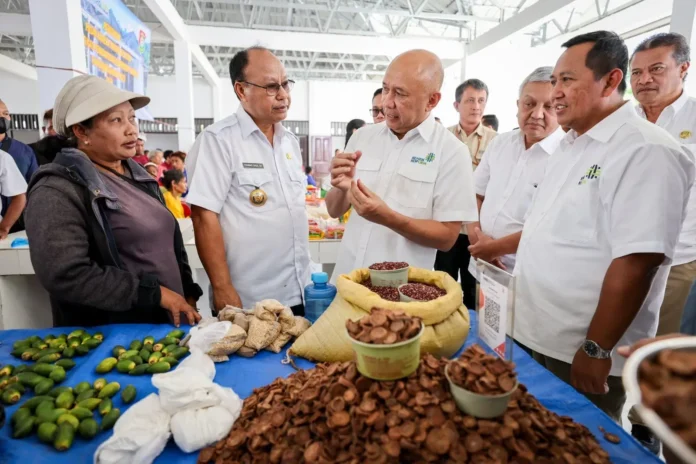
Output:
x=482 y=384
x=386 y=343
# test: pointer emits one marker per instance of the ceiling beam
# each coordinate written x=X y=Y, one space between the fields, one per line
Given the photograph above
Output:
x=17 y=68
x=318 y=42
x=529 y=17
x=167 y=14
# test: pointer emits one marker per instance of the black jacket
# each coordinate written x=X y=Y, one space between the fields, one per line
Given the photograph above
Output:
x=74 y=251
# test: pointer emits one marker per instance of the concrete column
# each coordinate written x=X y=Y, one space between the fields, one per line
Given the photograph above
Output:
x=684 y=22
x=462 y=63
x=58 y=45
x=217 y=101
x=184 y=94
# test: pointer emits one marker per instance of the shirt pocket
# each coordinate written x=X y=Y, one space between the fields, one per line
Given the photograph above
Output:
x=414 y=186
x=262 y=180
x=367 y=171
x=578 y=219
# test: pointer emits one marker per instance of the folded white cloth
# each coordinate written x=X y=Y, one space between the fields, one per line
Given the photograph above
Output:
x=140 y=435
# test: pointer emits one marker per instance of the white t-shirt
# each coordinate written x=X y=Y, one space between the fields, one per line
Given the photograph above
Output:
x=12 y=182
x=266 y=246
x=679 y=119
x=425 y=175
x=507 y=177
x=619 y=189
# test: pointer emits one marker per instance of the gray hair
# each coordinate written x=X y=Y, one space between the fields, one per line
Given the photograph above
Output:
x=542 y=74
x=681 y=50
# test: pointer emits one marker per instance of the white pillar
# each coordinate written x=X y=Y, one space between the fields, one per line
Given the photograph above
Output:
x=684 y=22
x=184 y=95
x=217 y=101
x=58 y=45
x=462 y=63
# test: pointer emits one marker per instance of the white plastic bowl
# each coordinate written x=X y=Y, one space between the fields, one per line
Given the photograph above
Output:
x=650 y=417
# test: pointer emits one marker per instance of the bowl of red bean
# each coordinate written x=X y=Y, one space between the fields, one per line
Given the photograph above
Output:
x=389 y=274
x=417 y=291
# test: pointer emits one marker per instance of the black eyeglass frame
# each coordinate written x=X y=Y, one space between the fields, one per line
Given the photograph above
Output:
x=287 y=86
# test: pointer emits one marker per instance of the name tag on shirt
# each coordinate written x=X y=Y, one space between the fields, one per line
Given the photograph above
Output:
x=252 y=165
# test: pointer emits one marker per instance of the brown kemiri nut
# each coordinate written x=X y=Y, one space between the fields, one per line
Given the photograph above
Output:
x=668 y=386
x=388 y=266
x=331 y=414
x=384 y=327
x=422 y=292
x=482 y=373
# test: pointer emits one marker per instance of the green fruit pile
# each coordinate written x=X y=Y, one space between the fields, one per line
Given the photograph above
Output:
x=146 y=356
x=15 y=381
x=52 y=348
x=65 y=411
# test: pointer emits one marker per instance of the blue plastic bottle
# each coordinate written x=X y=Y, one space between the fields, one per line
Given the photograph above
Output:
x=318 y=296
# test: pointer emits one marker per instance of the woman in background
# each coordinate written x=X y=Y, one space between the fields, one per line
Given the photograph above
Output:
x=174 y=187
x=352 y=126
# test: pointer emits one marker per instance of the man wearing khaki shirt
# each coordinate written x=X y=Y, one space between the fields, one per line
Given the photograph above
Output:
x=470 y=102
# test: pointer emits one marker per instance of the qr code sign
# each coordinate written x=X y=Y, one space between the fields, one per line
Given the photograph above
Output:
x=491 y=312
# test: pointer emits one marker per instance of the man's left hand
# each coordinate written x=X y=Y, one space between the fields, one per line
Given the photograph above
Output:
x=484 y=247
x=589 y=375
x=367 y=204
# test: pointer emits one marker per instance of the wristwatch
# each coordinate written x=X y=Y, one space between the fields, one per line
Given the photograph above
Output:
x=593 y=350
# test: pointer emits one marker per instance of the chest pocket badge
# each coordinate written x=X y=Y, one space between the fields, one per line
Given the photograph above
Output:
x=685 y=134
x=258 y=197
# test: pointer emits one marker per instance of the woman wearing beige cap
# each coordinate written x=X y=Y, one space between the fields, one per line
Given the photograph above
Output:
x=93 y=212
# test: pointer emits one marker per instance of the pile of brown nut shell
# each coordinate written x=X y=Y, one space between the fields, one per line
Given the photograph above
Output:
x=668 y=387
x=384 y=327
x=332 y=414
x=482 y=373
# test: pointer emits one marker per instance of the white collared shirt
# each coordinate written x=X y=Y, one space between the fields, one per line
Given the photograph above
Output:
x=507 y=177
x=266 y=246
x=679 y=119
x=425 y=175
x=12 y=182
x=619 y=189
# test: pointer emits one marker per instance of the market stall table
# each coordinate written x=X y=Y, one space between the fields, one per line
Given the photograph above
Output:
x=245 y=374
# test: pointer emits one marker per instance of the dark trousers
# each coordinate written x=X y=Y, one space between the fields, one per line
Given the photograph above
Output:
x=298 y=310
x=456 y=263
x=611 y=402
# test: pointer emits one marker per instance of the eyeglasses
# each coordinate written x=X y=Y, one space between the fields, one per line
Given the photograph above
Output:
x=273 y=89
x=376 y=112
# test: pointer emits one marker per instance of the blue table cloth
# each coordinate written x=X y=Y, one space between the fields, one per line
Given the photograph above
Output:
x=245 y=374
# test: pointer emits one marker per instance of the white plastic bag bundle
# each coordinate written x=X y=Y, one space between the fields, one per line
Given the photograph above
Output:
x=203 y=338
x=202 y=411
x=140 y=435
x=194 y=429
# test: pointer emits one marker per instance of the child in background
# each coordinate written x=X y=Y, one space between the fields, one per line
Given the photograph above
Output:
x=175 y=186
x=151 y=169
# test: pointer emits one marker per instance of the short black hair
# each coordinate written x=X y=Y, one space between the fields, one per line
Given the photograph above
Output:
x=171 y=176
x=307 y=170
x=239 y=62
x=490 y=120
x=477 y=84
x=168 y=153
x=352 y=125
x=609 y=52
x=681 y=52
x=377 y=92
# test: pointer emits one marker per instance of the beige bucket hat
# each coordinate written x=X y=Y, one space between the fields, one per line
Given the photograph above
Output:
x=83 y=97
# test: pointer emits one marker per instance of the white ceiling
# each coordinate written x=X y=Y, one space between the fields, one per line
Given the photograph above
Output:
x=446 y=20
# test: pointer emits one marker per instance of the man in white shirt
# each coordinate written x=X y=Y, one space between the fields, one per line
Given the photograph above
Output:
x=409 y=181
x=247 y=191
x=511 y=171
x=595 y=251
x=14 y=187
x=658 y=70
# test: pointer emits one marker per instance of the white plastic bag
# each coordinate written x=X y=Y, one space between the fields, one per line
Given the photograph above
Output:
x=203 y=338
x=194 y=429
x=186 y=388
x=140 y=435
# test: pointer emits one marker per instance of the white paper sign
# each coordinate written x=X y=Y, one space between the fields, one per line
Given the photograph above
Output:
x=473 y=269
x=493 y=310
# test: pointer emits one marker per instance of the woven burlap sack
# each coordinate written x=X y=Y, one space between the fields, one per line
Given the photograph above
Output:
x=301 y=324
x=230 y=343
x=279 y=342
x=261 y=333
x=242 y=320
x=446 y=319
x=286 y=319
